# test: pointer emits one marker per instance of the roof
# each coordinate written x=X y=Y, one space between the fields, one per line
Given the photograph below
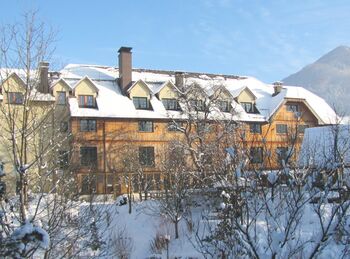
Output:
x=319 y=148
x=112 y=103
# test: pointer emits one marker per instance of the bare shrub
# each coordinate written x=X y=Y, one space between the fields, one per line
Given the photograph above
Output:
x=121 y=244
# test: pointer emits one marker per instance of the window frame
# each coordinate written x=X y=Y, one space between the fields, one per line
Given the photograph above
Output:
x=175 y=105
x=227 y=105
x=290 y=109
x=279 y=127
x=174 y=126
x=91 y=125
x=144 y=125
x=61 y=100
x=253 y=128
x=197 y=105
x=84 y=101
x=88 y=162
x=147 y=156
x=137 y=103
x=15 y=98
x=254 y=151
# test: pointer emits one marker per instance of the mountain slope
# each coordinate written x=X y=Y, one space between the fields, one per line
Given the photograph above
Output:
x=329 y=77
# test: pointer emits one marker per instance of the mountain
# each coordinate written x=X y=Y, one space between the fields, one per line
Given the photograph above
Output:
x=329 y=77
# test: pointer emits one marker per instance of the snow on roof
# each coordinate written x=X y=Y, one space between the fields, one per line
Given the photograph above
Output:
x=112 y=103
x=319 y=149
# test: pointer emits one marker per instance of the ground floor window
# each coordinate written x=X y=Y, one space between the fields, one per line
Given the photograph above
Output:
x=256 y=155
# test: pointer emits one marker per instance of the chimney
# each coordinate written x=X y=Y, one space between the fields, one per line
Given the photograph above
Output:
x=179 y=80
x=125 y=68
x=44 y=77
x=277 y=87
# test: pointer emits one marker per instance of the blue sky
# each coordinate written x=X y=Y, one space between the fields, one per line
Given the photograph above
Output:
x=265 y=39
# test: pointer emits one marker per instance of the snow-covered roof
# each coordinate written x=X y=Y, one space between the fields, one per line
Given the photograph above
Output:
x=112 y=103
x=319 y=148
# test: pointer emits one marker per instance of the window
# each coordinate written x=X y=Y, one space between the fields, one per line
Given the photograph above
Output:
x=146 y=156
x=255 y=128
x=174 y=126
x=248 y=107
x=88 y=184
x=146 y=126
x=282 y=153
x=141 y=103
x=170 y=104
x=87 y=125
x=224 y=106
x=15 y=97
x=197 y=104
x=292 y=107
x=86 y=101
x=61 y=98
x=88 y=156
x=64 y=126
x=301 y=128
x=281 y=128
x=63 y=159
x=110 y=183
x=256 y=155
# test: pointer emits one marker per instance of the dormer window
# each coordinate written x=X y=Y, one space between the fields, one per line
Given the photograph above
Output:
x=61 y=98
x=292 y=107
x=197 y=104
x=141 y=103
x=248 y=107
x=224 y=106
x=171 y=104
x=15 y=97
x=87 y=101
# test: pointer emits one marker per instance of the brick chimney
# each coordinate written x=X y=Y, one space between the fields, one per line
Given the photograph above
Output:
x=125 y=68
x=43 y=86
x=277 y=87
x=179 y=80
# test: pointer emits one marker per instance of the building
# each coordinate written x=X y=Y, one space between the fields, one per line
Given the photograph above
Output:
x=116 y=113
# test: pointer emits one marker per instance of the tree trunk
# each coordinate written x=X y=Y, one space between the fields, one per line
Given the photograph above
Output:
x=176 y=224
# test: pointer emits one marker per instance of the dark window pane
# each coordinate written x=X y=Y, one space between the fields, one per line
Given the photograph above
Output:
x=88 y=156
x=15 y=98
x=86 y=101
x=224 y=106
x=197 y=105
x=255 y=128
x=141 y=103
x=281 y=128
x=170 y=104
x=87 y=125
x=292 y=107
x=61 y=98
x=146 y=156
x=146 y=126
x=256 y=155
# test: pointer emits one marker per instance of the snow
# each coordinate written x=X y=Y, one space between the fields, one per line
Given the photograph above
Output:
x=318 y=146
x=112 y=103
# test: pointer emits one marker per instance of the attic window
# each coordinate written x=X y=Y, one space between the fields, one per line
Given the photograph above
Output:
x=249 y=107
x=292 y=107
x=171 y=104
x=15 y=97
x=224 y=106
x=61 y=98
x=141 y=103
x=87 y=101
x=197 y=104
